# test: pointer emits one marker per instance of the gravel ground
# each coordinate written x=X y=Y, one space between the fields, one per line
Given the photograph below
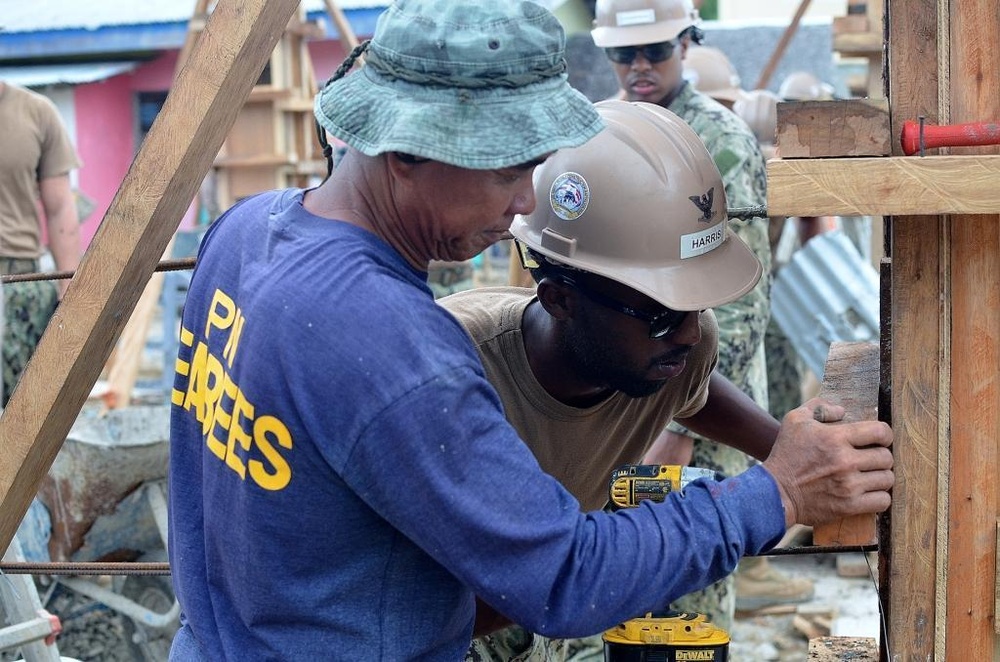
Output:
x=853 y=601
x=91 y=632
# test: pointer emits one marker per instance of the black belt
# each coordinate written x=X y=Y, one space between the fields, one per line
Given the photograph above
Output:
x=18 y=265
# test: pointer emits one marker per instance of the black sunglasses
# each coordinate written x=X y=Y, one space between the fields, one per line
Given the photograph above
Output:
x=658 y=52
x=661 y=325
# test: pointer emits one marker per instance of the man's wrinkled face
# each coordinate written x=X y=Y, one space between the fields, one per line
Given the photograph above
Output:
x=453 y=213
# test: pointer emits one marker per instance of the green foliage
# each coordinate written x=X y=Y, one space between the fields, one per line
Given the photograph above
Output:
x=709 y=10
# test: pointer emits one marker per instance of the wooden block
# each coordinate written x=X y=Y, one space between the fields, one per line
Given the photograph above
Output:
x=812 y=129
x=850 y=379
x=808 y=627
x=888 y=186
x=858 y=44
x=850 y=24
x=840 y=649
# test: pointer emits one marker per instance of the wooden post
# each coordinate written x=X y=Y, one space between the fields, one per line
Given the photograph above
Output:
x=946 y=376
x=972 y=69
x=143 y=216
x=919 y=343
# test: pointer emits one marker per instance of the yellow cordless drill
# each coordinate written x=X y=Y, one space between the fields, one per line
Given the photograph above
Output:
x=660 y=636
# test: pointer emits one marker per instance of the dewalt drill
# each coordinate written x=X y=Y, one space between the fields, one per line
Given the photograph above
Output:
x=660 y=636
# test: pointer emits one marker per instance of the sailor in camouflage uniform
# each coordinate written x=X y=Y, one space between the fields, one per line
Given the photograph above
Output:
x=646 y=41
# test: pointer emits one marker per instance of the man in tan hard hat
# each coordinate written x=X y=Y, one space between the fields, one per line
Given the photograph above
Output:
x=647 y=42
x=710 y=72
x=619 y=336
x=804 y=86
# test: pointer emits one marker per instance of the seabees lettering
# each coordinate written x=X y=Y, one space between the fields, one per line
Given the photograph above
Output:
x=248 y=443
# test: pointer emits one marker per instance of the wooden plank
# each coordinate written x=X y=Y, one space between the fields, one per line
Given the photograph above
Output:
x=850 y=379
x=974 y=76
x=919 y=412
x=858 y=44
x=850 y=127
x=144 y=214
x=896 y=186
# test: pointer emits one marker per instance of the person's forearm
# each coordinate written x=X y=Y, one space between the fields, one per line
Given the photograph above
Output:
x=730 y=417
x=64 y=240
x=62 y=223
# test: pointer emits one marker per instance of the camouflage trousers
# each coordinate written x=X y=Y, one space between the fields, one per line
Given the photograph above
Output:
x=515 y=644
x=27 y=308
x=784 y=372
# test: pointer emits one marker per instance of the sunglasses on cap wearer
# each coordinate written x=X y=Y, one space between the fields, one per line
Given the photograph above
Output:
x=653 y=53
x=661 y=324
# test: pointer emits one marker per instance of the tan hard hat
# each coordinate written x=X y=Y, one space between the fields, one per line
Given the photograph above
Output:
x=759 y=109
x=643 y=204
x=711 y=73
x=803 y=86
x=637 y=22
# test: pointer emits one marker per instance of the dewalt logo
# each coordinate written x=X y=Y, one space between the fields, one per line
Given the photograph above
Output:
x=694 y=655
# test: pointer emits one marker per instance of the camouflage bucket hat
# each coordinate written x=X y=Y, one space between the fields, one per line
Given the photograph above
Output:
x=478 y=85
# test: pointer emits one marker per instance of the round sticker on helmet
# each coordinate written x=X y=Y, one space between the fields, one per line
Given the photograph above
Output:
x=569 y=196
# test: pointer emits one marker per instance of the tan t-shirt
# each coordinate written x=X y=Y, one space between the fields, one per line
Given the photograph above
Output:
x=579 y=447
x=33 y=145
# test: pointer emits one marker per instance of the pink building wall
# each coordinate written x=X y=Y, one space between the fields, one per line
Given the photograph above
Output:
x=105 y=143
x=107 y=133
x=107 y=125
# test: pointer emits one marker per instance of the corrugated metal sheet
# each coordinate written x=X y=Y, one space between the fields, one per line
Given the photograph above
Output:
x=826 y=293
x=44 y=15
x=68 y=74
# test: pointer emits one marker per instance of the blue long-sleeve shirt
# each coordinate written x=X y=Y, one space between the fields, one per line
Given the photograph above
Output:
x=343 y=481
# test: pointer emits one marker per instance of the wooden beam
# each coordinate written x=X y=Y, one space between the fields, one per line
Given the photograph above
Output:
x=920 y=342
x=850 y=379
x=898 y=186
x=974 y=80
x=850 y=127
x=123 y=366
x=342 y=24
x=144 y=214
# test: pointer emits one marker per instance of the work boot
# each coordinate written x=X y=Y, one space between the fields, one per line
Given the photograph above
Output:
x=759 y=585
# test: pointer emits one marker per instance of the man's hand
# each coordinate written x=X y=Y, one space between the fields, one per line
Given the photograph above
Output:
x=826 y=469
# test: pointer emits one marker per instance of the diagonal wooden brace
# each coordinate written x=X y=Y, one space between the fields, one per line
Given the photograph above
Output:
x=145 y=213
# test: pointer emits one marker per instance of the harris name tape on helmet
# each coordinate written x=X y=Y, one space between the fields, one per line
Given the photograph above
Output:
x=636 y=22
x=826 y=293
x=643 y=204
